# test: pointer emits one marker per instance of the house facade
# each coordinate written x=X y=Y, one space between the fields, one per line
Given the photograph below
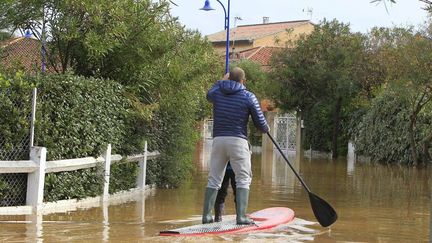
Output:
x=257 y=42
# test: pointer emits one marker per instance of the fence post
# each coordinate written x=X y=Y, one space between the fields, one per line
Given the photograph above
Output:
x=36 y=179
x=141 y=180
x=107 y=167
x=33 y=117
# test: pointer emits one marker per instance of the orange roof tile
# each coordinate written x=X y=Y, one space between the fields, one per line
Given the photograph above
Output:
x=255 y=31
x=261 y=55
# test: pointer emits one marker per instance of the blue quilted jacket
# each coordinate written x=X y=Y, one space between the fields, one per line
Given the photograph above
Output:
x=232 y=105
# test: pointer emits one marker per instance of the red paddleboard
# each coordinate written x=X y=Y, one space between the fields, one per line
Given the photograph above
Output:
x=264 y=219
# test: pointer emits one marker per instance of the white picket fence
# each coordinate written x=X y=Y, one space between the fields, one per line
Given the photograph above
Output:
x=37 y=167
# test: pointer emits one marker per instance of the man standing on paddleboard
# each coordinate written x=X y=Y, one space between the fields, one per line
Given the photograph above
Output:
x=232 y=106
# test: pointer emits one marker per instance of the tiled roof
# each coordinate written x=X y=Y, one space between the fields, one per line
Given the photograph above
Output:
x=255 y=31
x=24 y=52
x=261 y=55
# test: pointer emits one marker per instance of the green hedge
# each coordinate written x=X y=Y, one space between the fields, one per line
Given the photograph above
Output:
x=78 y=117
x=383 y=131
x=73 y=184
x=173 y=133
x=15 y=111
x=123 y=176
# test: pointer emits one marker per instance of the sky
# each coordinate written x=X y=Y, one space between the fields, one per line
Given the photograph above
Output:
x=361 y=14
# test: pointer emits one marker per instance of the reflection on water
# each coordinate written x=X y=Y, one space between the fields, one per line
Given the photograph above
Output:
x=275 y=172
x=375 y=203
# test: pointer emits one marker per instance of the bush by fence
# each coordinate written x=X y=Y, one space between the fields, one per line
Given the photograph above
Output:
x=15 y=113
x=383 y=131
x=78 y=117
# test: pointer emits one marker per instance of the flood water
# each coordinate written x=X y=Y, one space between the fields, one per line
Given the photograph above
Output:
x=375 y=203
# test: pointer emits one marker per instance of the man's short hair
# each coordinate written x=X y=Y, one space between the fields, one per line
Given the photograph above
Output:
x=237 y=74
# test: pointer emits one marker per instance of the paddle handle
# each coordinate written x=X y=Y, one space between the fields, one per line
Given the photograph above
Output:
x=292 y=168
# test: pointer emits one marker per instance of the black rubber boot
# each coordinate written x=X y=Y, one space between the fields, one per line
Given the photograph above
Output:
x=209 y=201
x=219 y=211
x=242 y=198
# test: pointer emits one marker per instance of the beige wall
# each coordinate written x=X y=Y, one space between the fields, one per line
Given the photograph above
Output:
x=282 y=37
x=273 y=40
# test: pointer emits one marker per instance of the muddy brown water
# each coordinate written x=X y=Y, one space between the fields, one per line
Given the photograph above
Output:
x=375 y=203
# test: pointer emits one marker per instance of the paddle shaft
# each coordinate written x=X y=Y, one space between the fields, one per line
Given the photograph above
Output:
x=286 y=160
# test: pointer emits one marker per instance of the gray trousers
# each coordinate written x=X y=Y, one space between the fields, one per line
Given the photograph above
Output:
x=236 y=150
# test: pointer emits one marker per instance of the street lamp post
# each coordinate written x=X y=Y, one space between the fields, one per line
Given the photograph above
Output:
x=227 y=28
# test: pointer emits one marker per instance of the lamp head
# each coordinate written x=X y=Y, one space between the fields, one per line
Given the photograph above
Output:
x=207 y=6
x=27 y=33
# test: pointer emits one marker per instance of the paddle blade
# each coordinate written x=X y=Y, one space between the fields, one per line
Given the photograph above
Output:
x=324 y=213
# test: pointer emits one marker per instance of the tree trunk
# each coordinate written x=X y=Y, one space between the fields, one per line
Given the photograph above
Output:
x=412 y=140
x=336 y=125
x=422 y=101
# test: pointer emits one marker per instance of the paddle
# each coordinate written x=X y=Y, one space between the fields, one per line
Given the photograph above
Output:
x=324 y=213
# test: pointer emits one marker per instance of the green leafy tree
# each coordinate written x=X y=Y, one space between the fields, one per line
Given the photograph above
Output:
x=411 y=73
x=403 y=57
x=383 y=132
x=164 y=68
x=322 y=71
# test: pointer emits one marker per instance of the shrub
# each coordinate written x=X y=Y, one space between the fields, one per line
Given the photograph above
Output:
x=78 y=117
x=15 y=111
x=73 y=184
x=173 y=133
x=123 y=176
x=383 y=131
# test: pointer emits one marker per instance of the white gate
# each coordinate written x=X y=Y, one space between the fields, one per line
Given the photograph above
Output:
x=285 y=127
x=208 y=129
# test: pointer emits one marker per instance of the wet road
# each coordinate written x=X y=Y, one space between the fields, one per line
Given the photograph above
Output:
x=375 y=203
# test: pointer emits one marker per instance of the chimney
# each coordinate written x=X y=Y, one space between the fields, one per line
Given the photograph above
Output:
x=266 y=20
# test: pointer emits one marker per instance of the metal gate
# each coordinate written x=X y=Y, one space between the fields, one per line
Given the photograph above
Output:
x=285 y=127
x=208 y=129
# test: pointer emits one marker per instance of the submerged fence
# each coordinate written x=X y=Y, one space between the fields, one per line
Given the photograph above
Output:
x=37 y=167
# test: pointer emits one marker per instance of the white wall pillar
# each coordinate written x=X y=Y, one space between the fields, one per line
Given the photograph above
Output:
x=107 y=167
x=36 y=179
x=141 y=180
